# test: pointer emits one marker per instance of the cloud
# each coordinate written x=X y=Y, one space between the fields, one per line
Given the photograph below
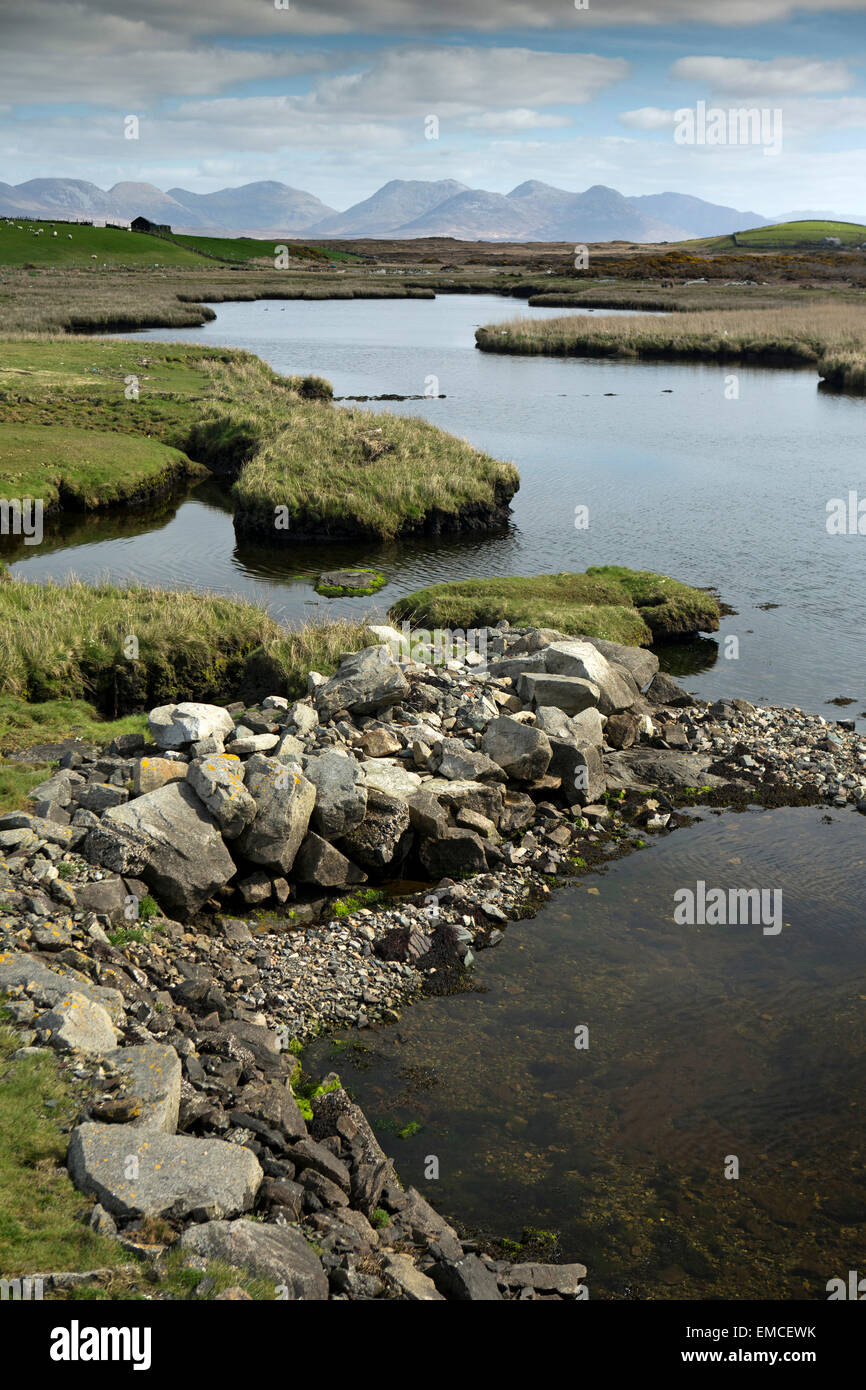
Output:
x=769 y=78
x=305 y=17
x=648 y=118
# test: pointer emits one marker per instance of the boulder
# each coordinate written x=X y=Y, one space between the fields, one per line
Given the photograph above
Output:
x=569 y=693
x=414 y=1286
x=76 y=1024
x=284 y=803
x=151 y=1081
x=302 y=717
x=149 y=774
x=485 y=797
x=135 y=1172
x=174 y=725
x=392 y=776
x=580 y=768
x=456 y=762
x=427 y=815
x=456 y=853
x=321 y=863
x=586 y=661
x=280 y=1254
x=186 y=858
x=523 y=752
x=586 y=727
x=365 y=682
x=341 y=793
x=376 y=843
x=664 y=690
x=219 y=781
x=641 y=663
x=467 y=1280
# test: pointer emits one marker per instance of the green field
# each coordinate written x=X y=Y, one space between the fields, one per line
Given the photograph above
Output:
x=786 y=234
x=78 y=245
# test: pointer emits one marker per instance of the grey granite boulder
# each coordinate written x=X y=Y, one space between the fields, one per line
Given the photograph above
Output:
x=284 y=803
x=218 y=781
x=187 y=860
x=365 y=681
x=523 y=752
x=135 y=1172
x=341 y=793
x=277 y=1253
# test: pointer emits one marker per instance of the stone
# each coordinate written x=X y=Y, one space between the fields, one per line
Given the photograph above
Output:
x=583 y=659
x=456 y=853
x=364 y=682
x=391 y=776
x=466 y=1280
x=374 y=844
x=152 y=1076
x=321 y=863
x=187 y=860
x=308 y=1153
x=523 y=752
x=380 y=743
x=255 y=889
x=425 y=1224
x=341 y=794
x=427 y=815
x=277 y=1253
x=218 y=781
x=485 y=797
x=107 y=896
x=172 y=726
x=98 y=796
x=562 y=1279
x=456 y=762
x=641 y=663
x=650 y=767
x=585 y=727
x=254 y=743
x=76 y=1024
x=51 y=984
x=621 y=730
x=149 y=774
x=284 y=803
x=518 y=811
x=580 y=768
x=289 y=749
x=303 y=717
x=413 y=1285
x=170 y=1175
x=272 y=1102
x=569 y=693
x=664 y=690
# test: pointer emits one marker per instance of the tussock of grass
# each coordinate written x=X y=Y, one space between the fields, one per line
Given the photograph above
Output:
x=350 y=472
x=635 y=607
x=70 y=640
x=798 y=335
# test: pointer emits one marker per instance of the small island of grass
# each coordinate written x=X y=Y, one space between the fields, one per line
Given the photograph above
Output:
x=634 y=607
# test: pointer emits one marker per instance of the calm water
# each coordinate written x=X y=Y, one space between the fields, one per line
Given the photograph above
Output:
x=704 y=1043
x=729 y=493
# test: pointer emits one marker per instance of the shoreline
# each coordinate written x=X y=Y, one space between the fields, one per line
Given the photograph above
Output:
x=189 y=986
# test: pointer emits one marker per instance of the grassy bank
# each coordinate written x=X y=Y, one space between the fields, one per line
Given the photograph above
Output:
x=84 y=469
x=70 y=641
x=339 y=472
x=828 y=336
x=635 y=607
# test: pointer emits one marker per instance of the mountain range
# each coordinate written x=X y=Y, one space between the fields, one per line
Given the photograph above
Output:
x=400 y=209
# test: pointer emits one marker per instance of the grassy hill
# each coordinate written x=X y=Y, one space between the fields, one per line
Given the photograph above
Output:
x=78 y=245
x=786 y=234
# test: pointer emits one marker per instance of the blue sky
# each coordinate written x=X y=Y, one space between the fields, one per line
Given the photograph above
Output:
x=333 y=97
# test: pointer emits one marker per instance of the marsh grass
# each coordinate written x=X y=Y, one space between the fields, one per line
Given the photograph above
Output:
x=70 y=641
x=829 y=336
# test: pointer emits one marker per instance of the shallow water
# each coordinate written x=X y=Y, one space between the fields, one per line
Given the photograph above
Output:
x=728 y=493
x=704 y=1043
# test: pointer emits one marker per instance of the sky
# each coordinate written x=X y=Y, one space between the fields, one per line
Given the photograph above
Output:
x=337 y=97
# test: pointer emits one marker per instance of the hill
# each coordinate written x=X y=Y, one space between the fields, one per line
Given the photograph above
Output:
x=21 y=243
x=782 y=235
